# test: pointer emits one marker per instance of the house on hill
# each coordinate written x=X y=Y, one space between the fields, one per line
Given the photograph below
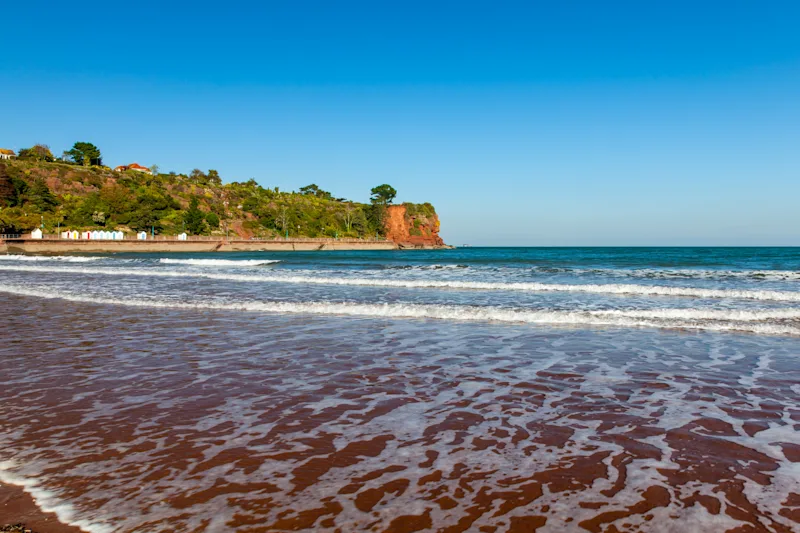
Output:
x=5 y=153
x=133 y=166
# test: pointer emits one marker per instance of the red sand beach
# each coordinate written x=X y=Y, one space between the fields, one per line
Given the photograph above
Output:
x=158 y=420
x=18 y=507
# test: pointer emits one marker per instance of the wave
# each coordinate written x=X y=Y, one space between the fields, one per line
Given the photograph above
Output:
x=687 y=273
x=38 y=258
x=731 y=321
x=612 y=289
x=219 y=262
x=424 y=267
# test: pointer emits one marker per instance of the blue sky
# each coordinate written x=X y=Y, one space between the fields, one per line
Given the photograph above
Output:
x=524 y=123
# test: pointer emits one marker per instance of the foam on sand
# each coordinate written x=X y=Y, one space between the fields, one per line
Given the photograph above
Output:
x=48 y=501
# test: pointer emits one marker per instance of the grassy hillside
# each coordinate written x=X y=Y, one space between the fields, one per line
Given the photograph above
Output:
x=80 y=197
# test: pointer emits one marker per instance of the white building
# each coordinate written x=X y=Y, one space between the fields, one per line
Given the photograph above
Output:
x=36 y=234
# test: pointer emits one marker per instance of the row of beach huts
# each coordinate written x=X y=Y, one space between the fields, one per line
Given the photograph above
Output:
x=98 y=235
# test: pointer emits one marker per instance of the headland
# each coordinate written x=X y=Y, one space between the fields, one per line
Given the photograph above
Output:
x=51 y=206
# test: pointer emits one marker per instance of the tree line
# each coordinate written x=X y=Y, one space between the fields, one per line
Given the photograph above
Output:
x=88 y=195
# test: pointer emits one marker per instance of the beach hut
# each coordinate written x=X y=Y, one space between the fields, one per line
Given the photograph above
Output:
x=182 y=237
x=74 y=235
x=36 y=234
x=86 y=235
x=118 y=236
x=142 y=235
x=65 y=235
x=94 y=235
x=107 y=235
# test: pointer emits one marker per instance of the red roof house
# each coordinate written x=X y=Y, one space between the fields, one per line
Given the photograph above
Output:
x=133 y=166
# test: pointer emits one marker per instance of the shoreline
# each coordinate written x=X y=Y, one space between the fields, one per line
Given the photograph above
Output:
x=17 y=506
x=57 y=246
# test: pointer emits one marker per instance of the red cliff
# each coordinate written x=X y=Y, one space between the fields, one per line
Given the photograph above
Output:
x=413 y=225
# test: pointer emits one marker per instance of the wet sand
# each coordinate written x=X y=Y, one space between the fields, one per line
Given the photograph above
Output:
x=16 y=506
x=164 y=420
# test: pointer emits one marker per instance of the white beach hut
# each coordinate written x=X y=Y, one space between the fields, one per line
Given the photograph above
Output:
x=65 y=235
x=142 y=235
x=36 y=234
x=118 y=236
x=107 y=235
x=94 y=235
x=86 y=235
x=74 y=235
x=182 y=237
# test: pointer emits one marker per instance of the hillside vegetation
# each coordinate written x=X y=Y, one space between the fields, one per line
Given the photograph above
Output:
x=84 y=196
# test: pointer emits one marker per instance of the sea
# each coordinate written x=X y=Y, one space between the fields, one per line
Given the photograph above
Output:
x=474 y=389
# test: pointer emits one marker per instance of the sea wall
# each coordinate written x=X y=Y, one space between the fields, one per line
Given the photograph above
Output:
x=58 y=246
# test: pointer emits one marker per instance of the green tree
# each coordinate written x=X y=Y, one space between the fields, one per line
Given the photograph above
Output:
x=383 y=194
x=37 y=152
x=213 y=220
x=39 y=193
x=194 y=218
x=376 y=215
x=213 y=177
x=314 y=190
x=85 y=154
x=198 y=176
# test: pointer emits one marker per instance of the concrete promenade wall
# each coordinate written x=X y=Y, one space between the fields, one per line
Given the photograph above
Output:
x=57 y=246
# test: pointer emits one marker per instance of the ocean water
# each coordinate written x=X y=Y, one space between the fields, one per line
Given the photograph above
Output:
x=477 y=389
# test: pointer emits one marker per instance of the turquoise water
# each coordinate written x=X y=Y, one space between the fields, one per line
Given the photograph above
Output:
x=754 y=290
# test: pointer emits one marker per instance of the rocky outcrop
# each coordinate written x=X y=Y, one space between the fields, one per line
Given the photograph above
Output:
x=413 y=226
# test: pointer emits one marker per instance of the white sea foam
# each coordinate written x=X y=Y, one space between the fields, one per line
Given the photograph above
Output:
x=591 y=288
x=719 y=320
x=219 y=262
x=426 y=267
x=48 y=501
x=676 y=273
x=48 y=258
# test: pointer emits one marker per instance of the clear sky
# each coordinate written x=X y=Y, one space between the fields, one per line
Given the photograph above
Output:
x=524 y=123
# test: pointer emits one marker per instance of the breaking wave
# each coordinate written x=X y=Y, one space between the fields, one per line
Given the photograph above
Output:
x=611 y=288
x=46 y=258
x=219 y=262
x=687 y=273
x=708 y=320
x=424 y=267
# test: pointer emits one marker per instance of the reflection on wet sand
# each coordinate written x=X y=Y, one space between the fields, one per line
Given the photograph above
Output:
x=165 y=420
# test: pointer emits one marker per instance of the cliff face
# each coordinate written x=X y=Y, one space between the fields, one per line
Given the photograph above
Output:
x=412 y=229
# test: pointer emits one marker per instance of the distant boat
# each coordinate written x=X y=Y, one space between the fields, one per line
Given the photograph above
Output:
x=466 y=245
